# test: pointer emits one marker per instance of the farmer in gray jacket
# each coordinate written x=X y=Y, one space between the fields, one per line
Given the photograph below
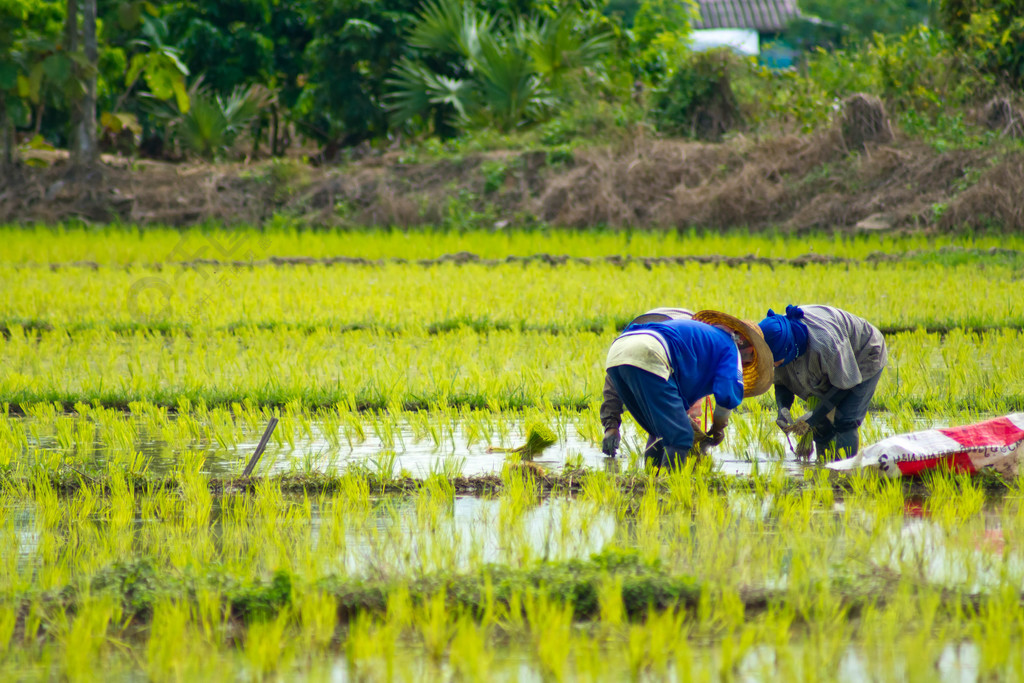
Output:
x=834 y=356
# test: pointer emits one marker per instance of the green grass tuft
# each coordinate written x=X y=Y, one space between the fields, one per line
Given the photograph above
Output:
x=538 y=438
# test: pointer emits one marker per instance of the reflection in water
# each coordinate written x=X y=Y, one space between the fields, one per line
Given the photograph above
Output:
x=399 y=536
x=423 y=533
x=395 y=449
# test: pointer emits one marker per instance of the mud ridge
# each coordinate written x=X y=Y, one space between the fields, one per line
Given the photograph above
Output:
x=793 y=183
x=469 y=258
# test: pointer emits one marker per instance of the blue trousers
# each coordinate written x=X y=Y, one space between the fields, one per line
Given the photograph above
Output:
x=659 y=409
x=839 y=438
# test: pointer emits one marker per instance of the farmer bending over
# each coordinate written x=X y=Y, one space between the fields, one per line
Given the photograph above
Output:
x=660 y=369
x=611 y=406
x=834 y=356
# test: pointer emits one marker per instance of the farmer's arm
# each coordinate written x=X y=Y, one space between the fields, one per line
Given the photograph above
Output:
x=829 y=401
x=728 y=391
x=611 y=407
x=784 y=396
x=728 y=385
x=611 y=418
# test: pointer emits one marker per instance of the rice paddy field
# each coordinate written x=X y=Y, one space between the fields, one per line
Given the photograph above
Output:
x=384 y=535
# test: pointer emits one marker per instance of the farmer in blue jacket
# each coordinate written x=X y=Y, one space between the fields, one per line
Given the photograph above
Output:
x=660 y=369
x=611 y=406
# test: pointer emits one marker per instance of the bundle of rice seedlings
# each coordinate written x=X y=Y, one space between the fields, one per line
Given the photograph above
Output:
x=700 y=437
x=529 y=470
x=538 y=438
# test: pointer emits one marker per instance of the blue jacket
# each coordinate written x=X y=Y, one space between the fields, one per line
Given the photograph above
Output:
x=704 y=361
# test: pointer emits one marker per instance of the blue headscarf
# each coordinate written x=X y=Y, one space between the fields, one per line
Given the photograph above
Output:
x=785 y=335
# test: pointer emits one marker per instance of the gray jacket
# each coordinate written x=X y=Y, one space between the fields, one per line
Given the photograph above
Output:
x=843 y=350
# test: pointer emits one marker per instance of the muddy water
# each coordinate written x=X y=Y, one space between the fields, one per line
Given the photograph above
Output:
x=470 y=526
x=421 y=459
x=403 y=453
x=958 y=663
x=469 y=530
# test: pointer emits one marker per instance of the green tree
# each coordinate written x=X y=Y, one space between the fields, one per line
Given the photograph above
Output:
x=354 y=47
x=991 y=32
x=475 y=70
x=656 y=35
x=864 y=19
x=14 y=29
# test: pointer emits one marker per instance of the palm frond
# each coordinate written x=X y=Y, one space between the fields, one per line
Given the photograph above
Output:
x=204 y=129
x=450 y=27
x=510 y=88
x=416 y=91
x=212 y=124
x=565 y=43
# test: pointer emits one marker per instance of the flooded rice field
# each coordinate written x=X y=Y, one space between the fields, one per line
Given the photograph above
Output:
x=399 y=446
x=680 y=582
x=384 y=535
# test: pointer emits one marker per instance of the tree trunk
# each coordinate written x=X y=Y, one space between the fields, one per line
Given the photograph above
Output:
x=82 y=146
x=71 y=35
x=5 y=133
x=71 y=27
x=273 y=132
x=87 y=141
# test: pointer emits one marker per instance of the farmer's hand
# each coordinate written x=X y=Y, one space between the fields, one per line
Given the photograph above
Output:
x=717 y=433
x=610 y=443
x=784 y=420
x=719 y=420
x=800 y=427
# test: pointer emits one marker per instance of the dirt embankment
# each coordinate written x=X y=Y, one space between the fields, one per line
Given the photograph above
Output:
x=793 y=183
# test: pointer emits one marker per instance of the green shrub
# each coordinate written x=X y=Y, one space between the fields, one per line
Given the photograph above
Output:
x=212 y=124
x=698 y=101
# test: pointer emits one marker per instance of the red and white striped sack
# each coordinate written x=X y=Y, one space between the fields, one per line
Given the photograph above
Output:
x=996 y=444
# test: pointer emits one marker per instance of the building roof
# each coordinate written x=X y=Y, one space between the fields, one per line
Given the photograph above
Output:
x=765 y=16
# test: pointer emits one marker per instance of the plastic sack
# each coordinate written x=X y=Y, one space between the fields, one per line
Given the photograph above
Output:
x=997 y=444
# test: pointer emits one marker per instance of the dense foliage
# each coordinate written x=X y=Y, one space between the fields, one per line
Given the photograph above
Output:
x=187 y=77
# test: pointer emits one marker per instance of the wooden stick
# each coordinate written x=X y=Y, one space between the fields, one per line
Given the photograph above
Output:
x=260 y=448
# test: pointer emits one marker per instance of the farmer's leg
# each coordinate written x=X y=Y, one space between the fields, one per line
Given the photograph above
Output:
x=657 y=407
x=655 y=450
x=824 y=439
x=850 y=414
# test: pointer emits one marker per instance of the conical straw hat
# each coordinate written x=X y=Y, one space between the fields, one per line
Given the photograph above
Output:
x=758 y=374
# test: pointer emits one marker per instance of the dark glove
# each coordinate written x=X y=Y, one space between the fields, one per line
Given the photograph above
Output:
x=717 y=434
x=610 y=443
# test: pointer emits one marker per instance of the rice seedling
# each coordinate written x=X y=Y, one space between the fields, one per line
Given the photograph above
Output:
x=431 y=621
x=210 y=613
x=8 y=621
x=612 y=609
x=449 y=467
x=470 y=654
x=266 y=647
x=539 y=437
x=169 y=633
x=550 y=624
x=84 y=637
x=127 y=244
x=384 y=465
x=370 y=648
